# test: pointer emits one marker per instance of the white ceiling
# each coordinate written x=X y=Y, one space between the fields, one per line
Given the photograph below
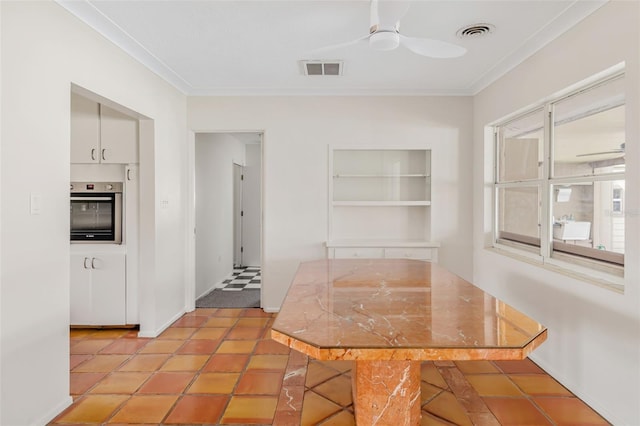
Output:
x=211 y=47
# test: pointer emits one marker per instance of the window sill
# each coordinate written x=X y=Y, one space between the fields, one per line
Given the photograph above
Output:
x=591 y=276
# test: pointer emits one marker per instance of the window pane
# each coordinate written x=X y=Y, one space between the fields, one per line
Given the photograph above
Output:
x=589 y=131
x=520 y=148
x=591 y=216
x=519 y=214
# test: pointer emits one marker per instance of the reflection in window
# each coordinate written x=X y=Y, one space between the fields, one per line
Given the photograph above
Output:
x=568 y=204
x=585 y=222
x=589 y=140
x=519 y=212
x=520 y=148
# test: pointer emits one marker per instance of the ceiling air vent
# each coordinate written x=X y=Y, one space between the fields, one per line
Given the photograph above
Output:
x=322 y=67
x=475 y=30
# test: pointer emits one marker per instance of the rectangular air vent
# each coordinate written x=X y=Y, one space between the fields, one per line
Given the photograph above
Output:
x=322 y=67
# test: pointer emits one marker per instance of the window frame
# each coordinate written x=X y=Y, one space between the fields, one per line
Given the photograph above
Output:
x=607 y=269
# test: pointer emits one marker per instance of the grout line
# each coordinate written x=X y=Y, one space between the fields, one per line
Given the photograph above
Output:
x=450 y=373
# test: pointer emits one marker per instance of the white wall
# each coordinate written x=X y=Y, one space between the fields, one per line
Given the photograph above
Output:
x=215 y=154
x=44 y=51
x=251 y=204
x=594 y=334
x=297 y=131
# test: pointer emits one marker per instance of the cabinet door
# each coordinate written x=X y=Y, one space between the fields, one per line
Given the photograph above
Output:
x=419 y=253
x=85 y=130
x=108 y=289
x=118 y=137
x=80 y=290
x=358 y=253
x=131 y=220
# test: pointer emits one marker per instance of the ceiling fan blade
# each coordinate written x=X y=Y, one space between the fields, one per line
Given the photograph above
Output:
x=432 y=48
x=341 y=45
x=386 y=14
x=613 y=151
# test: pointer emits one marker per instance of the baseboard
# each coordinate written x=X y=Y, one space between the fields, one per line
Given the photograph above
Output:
x=208 y=291
x=579 y=392
x=54 y=412
x=271 y=310
x=155 y=333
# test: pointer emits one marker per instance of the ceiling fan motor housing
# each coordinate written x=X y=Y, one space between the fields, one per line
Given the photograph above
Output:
x=384 y=40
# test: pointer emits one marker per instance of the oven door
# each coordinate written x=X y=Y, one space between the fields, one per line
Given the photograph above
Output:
x=96 y=217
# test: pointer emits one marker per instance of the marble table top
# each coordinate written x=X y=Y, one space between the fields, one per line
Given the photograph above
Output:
x=398 y=309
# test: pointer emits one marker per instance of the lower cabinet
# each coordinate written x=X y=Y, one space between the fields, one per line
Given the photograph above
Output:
x=98 y=289
x=420 y=253
x=358 y=253
x=397 y=252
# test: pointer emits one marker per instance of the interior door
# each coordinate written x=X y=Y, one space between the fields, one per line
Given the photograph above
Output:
x=237 y=214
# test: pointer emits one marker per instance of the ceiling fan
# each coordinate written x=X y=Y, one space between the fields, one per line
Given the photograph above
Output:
x=611 y=151
x=384 y=33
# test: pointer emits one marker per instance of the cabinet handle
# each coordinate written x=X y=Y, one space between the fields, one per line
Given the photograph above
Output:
x=93 y=154
x=103 y=150
x=128 y=174
x=93 y=263
x=84 y=263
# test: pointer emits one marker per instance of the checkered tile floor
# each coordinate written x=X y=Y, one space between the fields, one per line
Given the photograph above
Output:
x=242 y=277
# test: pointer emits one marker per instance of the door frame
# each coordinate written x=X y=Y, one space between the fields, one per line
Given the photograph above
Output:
x=190 y=220
x=238 y=206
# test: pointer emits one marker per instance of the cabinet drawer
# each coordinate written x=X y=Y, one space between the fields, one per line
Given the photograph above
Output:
x=358 y=253
x=422 y=253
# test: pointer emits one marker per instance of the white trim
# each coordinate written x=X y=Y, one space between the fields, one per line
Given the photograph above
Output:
x=544 y=257
x=380 y=203
x=523 y=255
x=567 y=19
x=155 y=333
x=380 y=243
x=190 y=228
x=578 y=389
x=587 y=275
x=605 y=74
x=575 y=12
x=262 y=210
x=100 y=23
x=191 y=207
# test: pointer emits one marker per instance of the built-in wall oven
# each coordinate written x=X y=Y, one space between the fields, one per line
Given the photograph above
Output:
x=96 y=212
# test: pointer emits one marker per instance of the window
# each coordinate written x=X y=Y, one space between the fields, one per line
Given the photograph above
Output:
x=560 y=179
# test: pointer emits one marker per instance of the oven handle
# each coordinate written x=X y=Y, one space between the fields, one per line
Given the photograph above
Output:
x=91 y=198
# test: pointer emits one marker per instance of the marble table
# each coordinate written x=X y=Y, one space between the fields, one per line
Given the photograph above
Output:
x=388 y=315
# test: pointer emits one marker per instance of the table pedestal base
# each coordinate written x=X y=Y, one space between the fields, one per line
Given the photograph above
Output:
x=386 y=392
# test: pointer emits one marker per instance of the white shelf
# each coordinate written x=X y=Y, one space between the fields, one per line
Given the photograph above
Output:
x=381 y=203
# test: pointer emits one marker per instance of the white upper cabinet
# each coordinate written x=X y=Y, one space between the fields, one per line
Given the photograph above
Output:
x=118 y=137
x=100 y=134
x=85 y=130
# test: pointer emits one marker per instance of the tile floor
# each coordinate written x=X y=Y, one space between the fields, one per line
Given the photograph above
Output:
x=219 y=366
x=242 y=277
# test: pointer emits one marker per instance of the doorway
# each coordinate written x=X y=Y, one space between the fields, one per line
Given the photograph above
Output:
x=228 y=212
x=238 y=171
